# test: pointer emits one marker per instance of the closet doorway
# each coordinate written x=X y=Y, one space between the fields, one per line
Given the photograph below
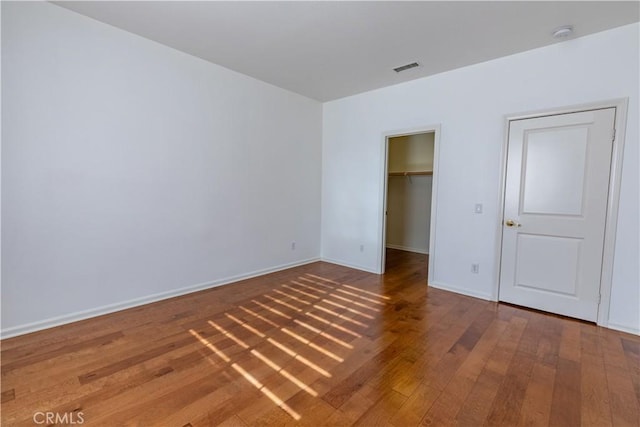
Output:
x=409 y=197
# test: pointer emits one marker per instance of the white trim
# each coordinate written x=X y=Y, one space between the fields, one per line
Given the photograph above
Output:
x=434 y=205
x=111 y=308
x=623 y=328
x=495 y=292
x=382 y=235
x=463 y=291
x=408 y=249
x=349 y=265
x=611 y=222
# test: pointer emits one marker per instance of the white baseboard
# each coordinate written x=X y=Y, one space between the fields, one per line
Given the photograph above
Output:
x=462 y=291
x=347 y=264
x=623 y=328
x=408 y=249
x=111 y=308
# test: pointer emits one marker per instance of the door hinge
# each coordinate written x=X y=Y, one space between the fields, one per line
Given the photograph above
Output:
x=613 y=135
x=599 y=298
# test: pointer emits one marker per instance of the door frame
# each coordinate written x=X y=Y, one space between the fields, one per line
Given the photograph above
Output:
x=435 y=129
x=613 y=198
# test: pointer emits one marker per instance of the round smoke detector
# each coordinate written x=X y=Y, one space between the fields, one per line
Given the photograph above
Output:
x=562 y=32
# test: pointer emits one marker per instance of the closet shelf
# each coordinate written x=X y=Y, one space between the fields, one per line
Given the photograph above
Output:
x=410 y=173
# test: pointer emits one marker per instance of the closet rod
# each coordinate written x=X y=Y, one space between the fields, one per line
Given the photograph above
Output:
x=410 y=173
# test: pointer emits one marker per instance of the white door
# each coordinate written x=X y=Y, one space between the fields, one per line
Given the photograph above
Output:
x=555 y=208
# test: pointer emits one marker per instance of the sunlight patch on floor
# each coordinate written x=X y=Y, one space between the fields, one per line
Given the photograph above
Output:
x=289 y=297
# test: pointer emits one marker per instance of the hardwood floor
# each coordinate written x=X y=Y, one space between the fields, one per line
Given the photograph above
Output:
x=324 y=345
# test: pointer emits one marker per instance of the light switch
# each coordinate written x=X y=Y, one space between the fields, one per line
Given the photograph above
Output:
x=478 y=208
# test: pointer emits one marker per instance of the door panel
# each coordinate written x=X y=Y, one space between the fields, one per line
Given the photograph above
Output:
x=559 y=255
x=554 y=213
x=553 y=172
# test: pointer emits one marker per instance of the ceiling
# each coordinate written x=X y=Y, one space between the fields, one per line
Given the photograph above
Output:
x=327 y=50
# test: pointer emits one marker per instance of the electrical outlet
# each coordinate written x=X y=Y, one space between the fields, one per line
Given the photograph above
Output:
x=475 y=268
x=478 y=208
x=361 y=248
x=293 y=246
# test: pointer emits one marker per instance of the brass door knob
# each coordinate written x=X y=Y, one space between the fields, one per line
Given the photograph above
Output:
x=512 y=223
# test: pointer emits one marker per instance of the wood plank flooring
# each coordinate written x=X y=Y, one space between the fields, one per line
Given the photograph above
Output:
x=324 y=345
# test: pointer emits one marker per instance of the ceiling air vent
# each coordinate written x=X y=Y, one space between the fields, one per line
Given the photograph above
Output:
x=406 y=67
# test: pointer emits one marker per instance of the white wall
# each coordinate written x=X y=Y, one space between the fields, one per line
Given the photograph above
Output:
x=470 y=104
x=131 y=171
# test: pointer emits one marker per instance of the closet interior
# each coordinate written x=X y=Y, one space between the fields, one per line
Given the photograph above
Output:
x=409 y=186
